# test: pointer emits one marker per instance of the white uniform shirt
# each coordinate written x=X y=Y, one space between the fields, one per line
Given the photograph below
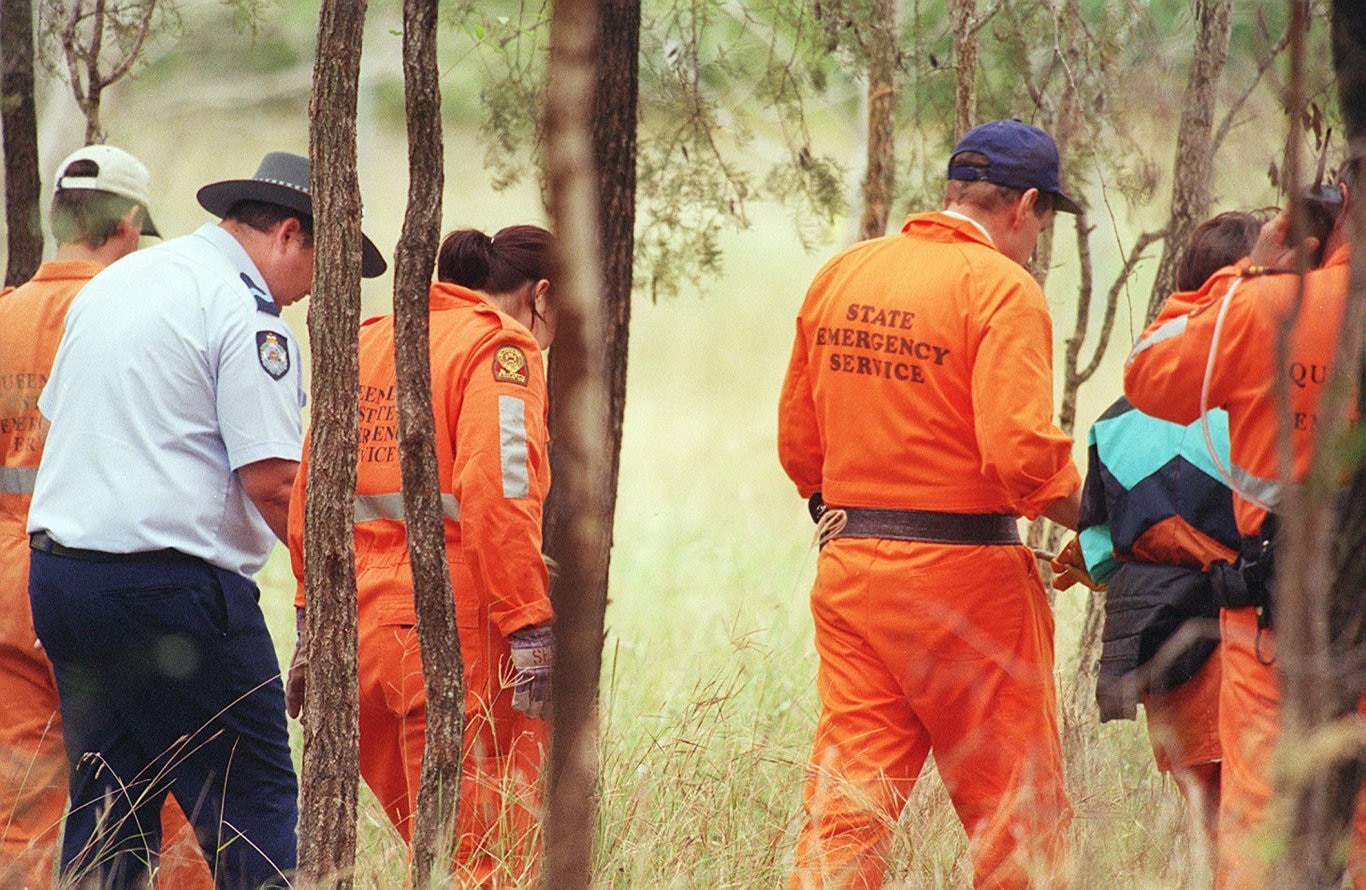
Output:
x=175 y=370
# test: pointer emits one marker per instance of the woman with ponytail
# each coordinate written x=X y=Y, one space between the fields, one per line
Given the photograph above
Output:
x=489 y=324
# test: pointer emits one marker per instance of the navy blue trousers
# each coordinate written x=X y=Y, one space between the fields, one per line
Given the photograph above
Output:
x=168 y=684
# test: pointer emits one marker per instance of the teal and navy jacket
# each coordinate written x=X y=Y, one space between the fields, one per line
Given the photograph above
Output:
x=1154 y=515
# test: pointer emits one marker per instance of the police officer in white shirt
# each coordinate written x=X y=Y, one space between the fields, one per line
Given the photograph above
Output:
x=174 y=401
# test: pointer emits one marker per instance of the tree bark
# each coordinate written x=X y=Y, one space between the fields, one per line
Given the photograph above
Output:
x=1322 y=640
x=584 y=461
x=443 y=666
x=19 y=121
x=879 y=182
x=963 y=17
x=1194 y=146
x=327 y=818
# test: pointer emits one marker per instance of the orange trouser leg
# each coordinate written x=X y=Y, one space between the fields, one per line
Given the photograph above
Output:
x=498 y=828
x=182 y=862
x=944 y=648
x=33 y=765
x=1249 y=729
x=32 y=762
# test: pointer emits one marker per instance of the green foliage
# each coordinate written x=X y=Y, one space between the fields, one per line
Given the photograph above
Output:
x=716 y=75
x=261 y=45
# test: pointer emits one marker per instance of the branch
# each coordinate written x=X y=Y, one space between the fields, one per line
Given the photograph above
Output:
x=1142 y=243
x=1264 y=63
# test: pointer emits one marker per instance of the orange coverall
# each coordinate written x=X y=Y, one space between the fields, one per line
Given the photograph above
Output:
x=1163 y=377
x=489 y=402
x=33 y=777
x=921 y=378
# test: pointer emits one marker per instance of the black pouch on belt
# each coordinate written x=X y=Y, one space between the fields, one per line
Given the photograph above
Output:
x=1248 y=580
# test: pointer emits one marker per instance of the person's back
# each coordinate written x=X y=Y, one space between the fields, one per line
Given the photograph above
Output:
x=164 y=356
x=928 y=375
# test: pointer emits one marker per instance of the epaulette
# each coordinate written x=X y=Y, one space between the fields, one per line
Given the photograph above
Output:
x=263 y=302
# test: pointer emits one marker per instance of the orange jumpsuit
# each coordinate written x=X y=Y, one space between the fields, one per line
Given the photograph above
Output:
x=33 y=765
x=1163 y=377
x=921 y=378
x=489 y=402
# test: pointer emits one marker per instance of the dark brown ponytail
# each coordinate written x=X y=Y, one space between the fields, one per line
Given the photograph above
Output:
x=510 y=259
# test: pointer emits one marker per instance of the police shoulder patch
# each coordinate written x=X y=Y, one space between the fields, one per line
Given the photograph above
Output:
x=272 y=348
x=509 y=365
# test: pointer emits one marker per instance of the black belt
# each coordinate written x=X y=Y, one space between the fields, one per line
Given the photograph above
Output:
x=929 y=526
x=40 y=541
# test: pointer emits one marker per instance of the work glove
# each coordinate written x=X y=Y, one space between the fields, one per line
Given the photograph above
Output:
x=298 y=671
x=533 y=654
x=1069 y=567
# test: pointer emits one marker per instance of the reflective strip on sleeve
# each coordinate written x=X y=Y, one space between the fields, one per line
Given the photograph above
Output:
x=1174 y=328
x=370 y=507
x=17 y=480
x=512 y=441
x=1264 y=492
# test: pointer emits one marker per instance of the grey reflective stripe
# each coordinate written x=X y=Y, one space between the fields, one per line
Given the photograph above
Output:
x=1174 y=328
x=1265 y=492
x=17 y=480
x=512 y=446
x=390 y=506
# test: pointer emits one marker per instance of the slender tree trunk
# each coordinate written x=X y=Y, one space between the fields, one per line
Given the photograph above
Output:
x=327 y=818
x=583 y=457
x=963 y=17
x=879 y=183
x=83 y=44
x=19 y=121
x=1322 y=581
x=443 y=666
x=1194 y=154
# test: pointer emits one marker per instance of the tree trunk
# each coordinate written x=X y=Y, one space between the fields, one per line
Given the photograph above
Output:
x=584 y=454
x=963 y=16
x=443 y=666
x=327 y=818
x=19 y=121
x=614 y=150
x=879 y=183
x=1322 y=638
x=1194 y=154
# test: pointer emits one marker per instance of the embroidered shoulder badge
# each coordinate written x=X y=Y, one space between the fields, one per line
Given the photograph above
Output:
x=272 y=348
x=509 y=365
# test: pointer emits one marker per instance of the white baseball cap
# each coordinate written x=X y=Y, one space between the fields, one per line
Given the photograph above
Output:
x=116 y=172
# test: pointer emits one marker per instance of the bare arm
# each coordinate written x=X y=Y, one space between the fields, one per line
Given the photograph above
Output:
x=268 y=483
x=1065 y=511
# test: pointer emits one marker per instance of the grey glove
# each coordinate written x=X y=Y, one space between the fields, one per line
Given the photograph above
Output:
x=533 y=653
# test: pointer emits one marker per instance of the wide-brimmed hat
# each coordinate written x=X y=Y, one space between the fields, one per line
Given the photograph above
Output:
x=282 y=179
x=1019 y=156
x=116 y=172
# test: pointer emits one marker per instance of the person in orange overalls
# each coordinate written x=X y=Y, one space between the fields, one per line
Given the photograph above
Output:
x=916 y=414
x=1154 y=517
x=1167 y=373
x=99 y=211
x=488 y=327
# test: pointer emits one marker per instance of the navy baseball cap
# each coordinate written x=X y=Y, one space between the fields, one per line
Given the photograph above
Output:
x=1020 y=157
